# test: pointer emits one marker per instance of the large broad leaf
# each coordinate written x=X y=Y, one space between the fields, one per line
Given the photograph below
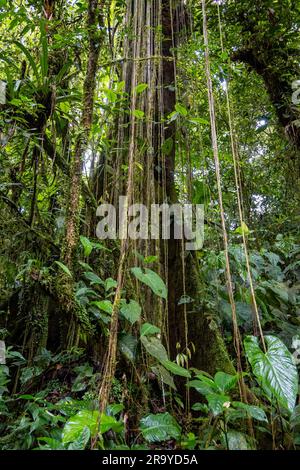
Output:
x=159 y=427
x=131 y=311
x=274 y=370
x=75 y=426
x=176 y=369
x=154 y=347
x=152 y=280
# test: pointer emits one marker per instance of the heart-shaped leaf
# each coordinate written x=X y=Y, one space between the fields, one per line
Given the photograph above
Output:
x=275 y=370
x=159 y=427
x=152 y=280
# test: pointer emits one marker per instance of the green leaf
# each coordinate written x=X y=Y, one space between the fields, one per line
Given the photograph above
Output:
x=111 y=95
x=254 y=411
x=140 y=88
x=76 y=424
x=138 y=113
x=85 y=266
x=275 y=370
x=216 y=402
x=110 y=284
x=148 y=329
x=87 y=418
x=104 y=305
x=236 y=441
x=225 y=382
x=110 y=423
x=198 y=120
x=29 y=57
x=181 y=109
x=201 y=387
x=151 y=259
x=114 y=409
x=173 y=116
x=44 y=49
x=87 y=245
x=152 y=280
x=81 y=442
x=128 y=345
x=64 y=268
x=93 y=278
x=159 y=427
x=131 y=311
x=243 y=229
x=176 y=369
x=164 y=375
x=154 y=347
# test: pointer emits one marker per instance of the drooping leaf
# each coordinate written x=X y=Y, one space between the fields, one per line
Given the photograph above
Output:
x=148 y=329
x=164 y=375
x=176 y=369
x=152 y=280
x=64 y=268
x=254 y=411
x=128 y=345
x=93 y=278
x=159 y=427
x=29 y=57
x=274 y=370
x=154 y=347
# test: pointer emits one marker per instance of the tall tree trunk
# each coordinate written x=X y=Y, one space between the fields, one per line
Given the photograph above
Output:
x=183 y=268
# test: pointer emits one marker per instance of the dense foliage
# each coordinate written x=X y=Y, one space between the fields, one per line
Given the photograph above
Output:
x=117 y=344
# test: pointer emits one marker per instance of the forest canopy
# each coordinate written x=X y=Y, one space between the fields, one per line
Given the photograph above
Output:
x=111 y=338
